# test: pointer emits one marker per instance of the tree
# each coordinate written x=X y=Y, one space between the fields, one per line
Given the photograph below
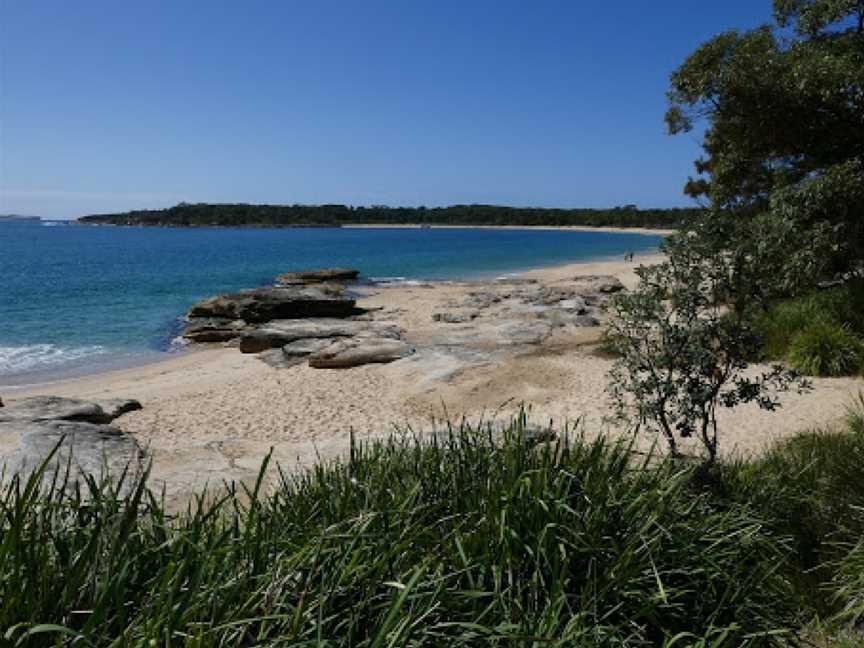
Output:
x=682 y=353
x=784 y=118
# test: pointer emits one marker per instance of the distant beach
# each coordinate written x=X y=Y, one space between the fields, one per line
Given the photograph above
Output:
x=649 y=231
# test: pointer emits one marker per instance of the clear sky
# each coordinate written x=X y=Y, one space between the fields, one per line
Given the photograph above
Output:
x=108 y=105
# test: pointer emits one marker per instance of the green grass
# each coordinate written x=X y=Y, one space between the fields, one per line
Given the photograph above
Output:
x=826 y=349
x=817 y=334
x=467 y=541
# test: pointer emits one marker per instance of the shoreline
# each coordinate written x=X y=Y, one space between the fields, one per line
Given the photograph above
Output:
x=210 y=415
x=610 y=229
x=649 y=231
x=42 y=379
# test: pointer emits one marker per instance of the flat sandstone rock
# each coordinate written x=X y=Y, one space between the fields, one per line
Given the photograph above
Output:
x=278 y=333
x=352 y=352
x=265 y=304
x=76 y=431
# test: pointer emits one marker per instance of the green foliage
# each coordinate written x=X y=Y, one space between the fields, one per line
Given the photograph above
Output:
x=785 y=120
x=826 y=349
x=824 y=328
x=459 y=542
x=849 y=584
x=468 y=539
x=234 y=215
x=681 y=354
x=812 y=488
x=813 y=16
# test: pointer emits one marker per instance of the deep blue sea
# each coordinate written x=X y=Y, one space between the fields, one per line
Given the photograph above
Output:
x=76 y=299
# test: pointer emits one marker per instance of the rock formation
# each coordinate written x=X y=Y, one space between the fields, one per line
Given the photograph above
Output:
x=317 y=276
x=77 y=431
x=264 y=304
x=308 y=317
x=351 y=352
x=304 y=315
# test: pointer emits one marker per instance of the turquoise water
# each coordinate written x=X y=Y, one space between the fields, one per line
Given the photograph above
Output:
x=79 y=298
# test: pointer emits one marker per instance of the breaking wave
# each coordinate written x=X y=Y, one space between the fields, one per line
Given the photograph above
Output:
x=36 y=357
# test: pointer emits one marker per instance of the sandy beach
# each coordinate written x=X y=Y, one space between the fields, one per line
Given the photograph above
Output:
x=212 y=414
x=564 y=228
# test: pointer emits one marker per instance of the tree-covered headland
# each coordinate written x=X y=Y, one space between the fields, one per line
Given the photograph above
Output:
x=246 y=215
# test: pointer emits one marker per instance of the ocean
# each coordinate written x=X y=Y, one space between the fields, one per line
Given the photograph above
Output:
x=80 y=299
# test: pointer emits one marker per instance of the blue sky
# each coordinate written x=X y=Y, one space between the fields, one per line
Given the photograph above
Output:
x=108 y=106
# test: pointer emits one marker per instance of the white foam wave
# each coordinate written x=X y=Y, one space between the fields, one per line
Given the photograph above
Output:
x=36 y=357
x=397 y=282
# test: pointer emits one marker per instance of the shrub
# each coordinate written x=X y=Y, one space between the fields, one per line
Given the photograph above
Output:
x=826 y=349
x=811 y=488
x=783 y=321
x=681 y=355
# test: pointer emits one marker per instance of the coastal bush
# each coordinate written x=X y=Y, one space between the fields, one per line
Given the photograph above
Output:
x=826 y=349
x=811 y=488
x=682 y=352
x=830 y=320
x=464 y=540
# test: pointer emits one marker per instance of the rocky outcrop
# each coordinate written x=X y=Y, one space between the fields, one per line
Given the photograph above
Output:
x=309 y=317
x=76 y=431
x=278 y=333
x=301 y=348
x=317 y=276
x=296 y=295
x=352 y=352
x=214 y=329
x=265 y=304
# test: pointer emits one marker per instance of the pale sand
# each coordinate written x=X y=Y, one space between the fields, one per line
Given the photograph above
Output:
x=572 y=228
x=212 y=415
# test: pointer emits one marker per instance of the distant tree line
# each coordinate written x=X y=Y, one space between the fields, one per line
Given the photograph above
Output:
x=245 y=215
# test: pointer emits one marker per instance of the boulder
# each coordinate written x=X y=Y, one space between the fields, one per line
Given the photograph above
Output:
x=53 y=408
x=479 y=300
x=317 y=276
x=33 y=428
x=264 y=304
x=586 y=320
x=352 y=352
x=574 y=304
x=300 y=348
x=214 y=329
x=278 y=333
x=88 y=449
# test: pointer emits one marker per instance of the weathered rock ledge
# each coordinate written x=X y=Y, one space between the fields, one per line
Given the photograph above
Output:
x=77 y=431
x=306 y=314
x=309 y=318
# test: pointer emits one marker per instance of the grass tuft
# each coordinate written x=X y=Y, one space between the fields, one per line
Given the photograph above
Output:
x=819 y=333
x=826 y=349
